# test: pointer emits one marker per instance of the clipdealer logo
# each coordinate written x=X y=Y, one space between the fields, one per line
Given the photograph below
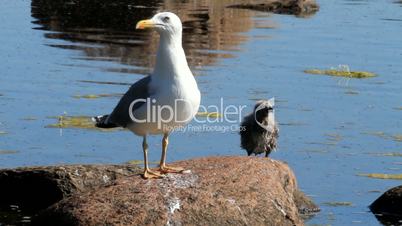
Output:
x=167 y=118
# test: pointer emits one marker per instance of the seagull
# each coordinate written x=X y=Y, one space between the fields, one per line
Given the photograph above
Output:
x=163 y=101
x=259 y=130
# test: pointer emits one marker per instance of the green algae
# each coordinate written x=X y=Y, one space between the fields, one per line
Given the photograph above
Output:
x=390 y=154
x=8 y=152
x=376 y=133
x=209 y=114
x=398 y=108
x=397 y=137
x=341 y=71
x=64 y=121
x=80 y=122
x=89 y=96
x=336 y=204
x=382 y=176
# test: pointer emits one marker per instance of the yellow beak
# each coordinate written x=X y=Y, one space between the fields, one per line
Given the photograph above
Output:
x=142 y=24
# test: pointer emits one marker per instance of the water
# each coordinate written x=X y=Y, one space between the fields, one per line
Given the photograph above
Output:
x=332 y=129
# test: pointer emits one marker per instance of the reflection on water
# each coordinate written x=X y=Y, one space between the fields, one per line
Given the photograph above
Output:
x=104 y=30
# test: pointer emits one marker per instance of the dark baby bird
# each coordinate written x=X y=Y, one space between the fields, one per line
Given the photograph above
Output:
x=259 y=131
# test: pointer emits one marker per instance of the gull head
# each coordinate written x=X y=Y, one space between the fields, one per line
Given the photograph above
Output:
x=164 y=23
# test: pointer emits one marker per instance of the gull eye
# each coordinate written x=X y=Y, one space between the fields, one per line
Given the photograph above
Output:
x=166 y=19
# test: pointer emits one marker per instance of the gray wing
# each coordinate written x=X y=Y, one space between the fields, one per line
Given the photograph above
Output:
x=139 y=90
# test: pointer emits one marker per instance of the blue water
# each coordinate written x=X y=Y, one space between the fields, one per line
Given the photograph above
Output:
x=326 y=133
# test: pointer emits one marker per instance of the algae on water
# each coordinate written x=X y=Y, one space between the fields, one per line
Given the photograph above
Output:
x=391 y=154
x=80 y=122
x=397 y=137
x=335 y=204
x=7 y=152
x=209 y=114
x=382 y=176
x=341 y=71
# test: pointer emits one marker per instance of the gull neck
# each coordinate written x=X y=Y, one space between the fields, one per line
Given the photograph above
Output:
x=170 y=58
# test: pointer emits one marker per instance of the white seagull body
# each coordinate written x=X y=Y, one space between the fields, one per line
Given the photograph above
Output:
x=166 y=99
x=172 y=84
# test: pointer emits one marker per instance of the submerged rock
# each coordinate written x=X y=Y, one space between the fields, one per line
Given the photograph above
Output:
x=213 y=191
x=388 y=207
x=294 y=7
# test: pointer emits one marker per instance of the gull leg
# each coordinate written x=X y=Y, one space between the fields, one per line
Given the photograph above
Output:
x=163 y=167
x=148 y=174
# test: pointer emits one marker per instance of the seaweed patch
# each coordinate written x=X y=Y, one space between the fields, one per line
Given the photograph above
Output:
x=209 y=114
x=335 y=204
x=382 y=176
x=341 y=71
x=80 y=122
x=7 y=152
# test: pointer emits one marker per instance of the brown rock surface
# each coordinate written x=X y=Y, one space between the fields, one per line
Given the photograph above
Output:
x=213 y=191
x=294 y=7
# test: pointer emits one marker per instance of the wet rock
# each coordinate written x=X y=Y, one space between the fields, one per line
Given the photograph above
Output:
x=306 y=207
x=293 y=7
x=388 y=207
x=213 y=191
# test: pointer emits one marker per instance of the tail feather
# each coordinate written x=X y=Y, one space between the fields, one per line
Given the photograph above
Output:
x=102 y=122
